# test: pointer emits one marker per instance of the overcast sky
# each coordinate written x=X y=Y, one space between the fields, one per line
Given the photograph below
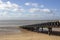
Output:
x=29 y=9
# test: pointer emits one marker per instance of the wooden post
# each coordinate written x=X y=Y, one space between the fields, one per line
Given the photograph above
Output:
x=37 y=29
x=42 y=29
x=49 y=30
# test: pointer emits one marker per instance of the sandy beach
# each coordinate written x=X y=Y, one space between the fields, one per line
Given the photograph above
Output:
x=23 y=34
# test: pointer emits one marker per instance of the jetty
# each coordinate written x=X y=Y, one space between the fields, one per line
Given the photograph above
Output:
x=49 y=25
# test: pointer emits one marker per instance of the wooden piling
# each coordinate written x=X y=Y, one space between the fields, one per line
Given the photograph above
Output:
x=49 y=30
x=42 y=29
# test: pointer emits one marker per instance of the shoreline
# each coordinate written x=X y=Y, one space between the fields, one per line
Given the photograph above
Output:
x=27 y=35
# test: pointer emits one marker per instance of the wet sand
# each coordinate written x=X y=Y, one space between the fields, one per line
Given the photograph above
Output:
x=23 y=34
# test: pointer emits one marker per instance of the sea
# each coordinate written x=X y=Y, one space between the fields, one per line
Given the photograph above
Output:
x=7 y=23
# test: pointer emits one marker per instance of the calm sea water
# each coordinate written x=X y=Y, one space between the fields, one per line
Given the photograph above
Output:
x=6 y=23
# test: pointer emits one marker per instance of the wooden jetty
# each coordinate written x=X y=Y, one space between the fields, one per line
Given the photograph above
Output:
x=48 y=25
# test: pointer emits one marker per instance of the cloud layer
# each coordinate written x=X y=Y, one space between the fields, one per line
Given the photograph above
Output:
x=10 y=10
x=7 y=8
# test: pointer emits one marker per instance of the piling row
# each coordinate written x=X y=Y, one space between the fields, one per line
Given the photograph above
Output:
x=48 y=25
